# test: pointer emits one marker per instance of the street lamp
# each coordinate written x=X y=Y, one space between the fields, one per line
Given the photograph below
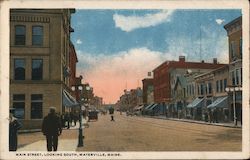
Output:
x=234 y=89
x=80 y=136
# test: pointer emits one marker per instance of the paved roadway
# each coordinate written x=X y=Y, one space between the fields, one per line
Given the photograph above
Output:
x=140 y=134
x=148 y=134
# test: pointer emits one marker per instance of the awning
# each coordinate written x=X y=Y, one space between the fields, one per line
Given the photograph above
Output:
x=68 y=100
x=220 y=102
x=148 y=106
x=153 y=106
x=195 y=103
x=138 y=107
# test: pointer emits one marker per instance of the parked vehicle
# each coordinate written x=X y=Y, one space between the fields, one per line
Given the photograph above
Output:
x=93 y=115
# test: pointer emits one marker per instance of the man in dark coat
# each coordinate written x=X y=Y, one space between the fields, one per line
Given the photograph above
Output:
x=51 y=128
x=14 y=126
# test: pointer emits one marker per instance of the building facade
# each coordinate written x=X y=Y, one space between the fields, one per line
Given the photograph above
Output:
x=211 y=89
x=148 y=91
x=234 y=32
x=39 y=62
x=163 y=77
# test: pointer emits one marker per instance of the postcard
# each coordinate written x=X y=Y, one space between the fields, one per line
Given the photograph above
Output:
x=104 y=79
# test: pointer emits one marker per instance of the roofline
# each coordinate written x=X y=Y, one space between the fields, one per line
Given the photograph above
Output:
x=227 y=65
x=232 y=22
x=171 y=62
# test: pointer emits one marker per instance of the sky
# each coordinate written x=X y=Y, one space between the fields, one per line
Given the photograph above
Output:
x=117 y=48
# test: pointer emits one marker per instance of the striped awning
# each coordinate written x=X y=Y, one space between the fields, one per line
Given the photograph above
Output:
x=220 y=102
x=196 y=103
x=68 y=100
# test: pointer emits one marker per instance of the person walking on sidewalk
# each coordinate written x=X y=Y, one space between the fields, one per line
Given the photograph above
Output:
x=51 y=128
x=111 y=112
x=67 y=119
x=14 y=126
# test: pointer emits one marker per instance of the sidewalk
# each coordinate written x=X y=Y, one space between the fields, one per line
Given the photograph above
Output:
x=199 y=122
x=84 y=122
x=64 y=144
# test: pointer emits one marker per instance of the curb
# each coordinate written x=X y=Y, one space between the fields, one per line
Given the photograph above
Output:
x=29 y=131
x=197 y=122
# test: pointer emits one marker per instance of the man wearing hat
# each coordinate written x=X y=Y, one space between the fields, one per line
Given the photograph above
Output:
x=14 y=126
x=51 y=128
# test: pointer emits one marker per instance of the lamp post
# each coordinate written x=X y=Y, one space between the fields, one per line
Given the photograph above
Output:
x=234 y=89
x=80 y=135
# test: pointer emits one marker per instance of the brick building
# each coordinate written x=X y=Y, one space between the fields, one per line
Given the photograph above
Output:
x=39 y=62
x=166 y=74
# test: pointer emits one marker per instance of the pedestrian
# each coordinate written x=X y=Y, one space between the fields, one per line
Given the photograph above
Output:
x=67 y=119
x=14 y=126
x=63 y=120
x=111 y=112
x=210 y=115
x=51 y=128
x=75 y=118
x=71 y=117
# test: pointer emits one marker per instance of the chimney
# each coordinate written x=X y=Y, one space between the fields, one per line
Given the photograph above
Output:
x=202 y=61
x=181 y=58
x=215 y=61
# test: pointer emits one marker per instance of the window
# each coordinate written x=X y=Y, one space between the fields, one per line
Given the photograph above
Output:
x=233 y=78
x=217 y=86
x=36 y=106
x=184 y=92
x=198 y=89
x=20 y=32
x=37 y=69
x=19 y=105
x=192 y=89
x=37 y=35
x=225 y=83
x=241 y=76
x=237 y=77
x=202 y=89
x=232 y=49
x=240 y=47
x=209 y=88
x=221 y=86
x=19 y=69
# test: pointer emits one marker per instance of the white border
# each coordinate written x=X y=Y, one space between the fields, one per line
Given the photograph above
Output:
x=124 y=4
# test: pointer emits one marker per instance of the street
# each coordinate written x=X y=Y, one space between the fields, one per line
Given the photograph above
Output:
x=131 y=133
x=148 y=134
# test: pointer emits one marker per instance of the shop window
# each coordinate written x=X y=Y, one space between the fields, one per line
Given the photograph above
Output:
x=37 y=69
x=36 y=106
x=19 y=105
x=37 y=35
x=20 y=35
x=19 y=69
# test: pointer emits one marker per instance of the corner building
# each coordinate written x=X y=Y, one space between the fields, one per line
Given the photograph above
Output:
x=39 y=62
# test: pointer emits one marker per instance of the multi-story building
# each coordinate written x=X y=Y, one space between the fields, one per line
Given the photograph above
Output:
x=148 y=91
x=165 y=77
x=211 y=90
x=234 y=32
x=39 y=62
